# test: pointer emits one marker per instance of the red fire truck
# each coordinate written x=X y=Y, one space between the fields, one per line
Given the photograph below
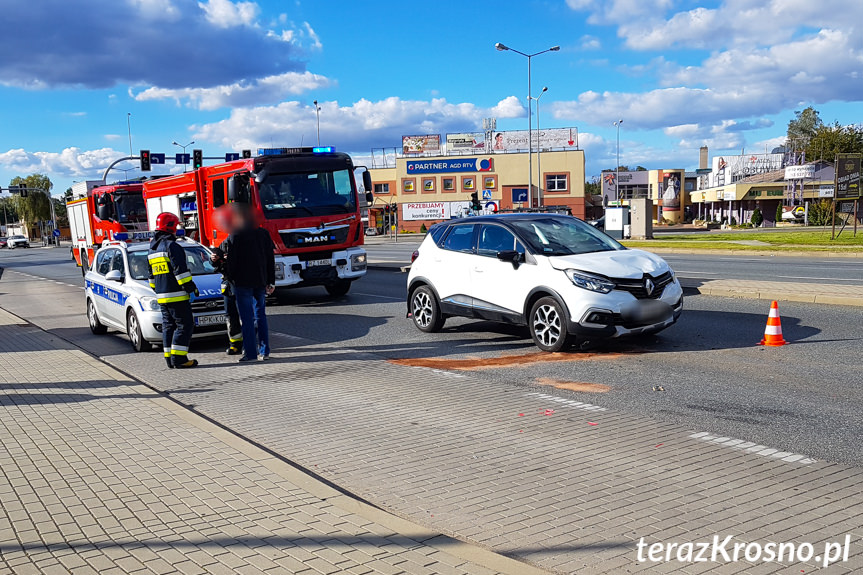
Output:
x=306 y=198
x=96 y=212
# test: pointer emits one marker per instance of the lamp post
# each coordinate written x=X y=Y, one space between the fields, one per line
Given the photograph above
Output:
x=617 y=169
x=539 y=143
x=503 y=48
x=318 y=120
x=179 y=145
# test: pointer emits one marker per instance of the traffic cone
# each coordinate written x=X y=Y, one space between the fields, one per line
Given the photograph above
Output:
x=773 y=331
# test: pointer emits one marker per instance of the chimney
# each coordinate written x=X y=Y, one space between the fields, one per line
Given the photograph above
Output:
x=702 y=158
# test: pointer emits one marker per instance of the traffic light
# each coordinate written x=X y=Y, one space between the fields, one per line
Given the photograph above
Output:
x=387 y=209
x=145 y=160
x=197 y=159
x=247 y=154
x=474 y=202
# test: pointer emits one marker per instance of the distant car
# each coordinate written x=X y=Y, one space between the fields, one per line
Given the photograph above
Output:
x=17 y=242
x=794 y=214
x=559 y=276
x=3 y=243
x=119 y=296
x=598 y=223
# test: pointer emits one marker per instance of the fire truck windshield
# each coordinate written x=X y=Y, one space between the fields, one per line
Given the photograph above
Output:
x=291 y=195
x=130 y=208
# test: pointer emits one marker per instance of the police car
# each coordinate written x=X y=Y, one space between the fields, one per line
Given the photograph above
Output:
x=119 y=295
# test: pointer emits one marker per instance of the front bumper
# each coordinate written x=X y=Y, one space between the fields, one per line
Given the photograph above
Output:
x=347 y=264
x=619 y=314
x=151 y=326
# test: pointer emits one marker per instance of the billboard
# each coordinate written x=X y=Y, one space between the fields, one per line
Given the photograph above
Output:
x=551 y=138
x=672 y=182
x=609 y=182
x=805 y=172
x=731 y=169
x=449 y=165
x=428 y=144
x=848 y=168
x=433 y=211
x=466 y=143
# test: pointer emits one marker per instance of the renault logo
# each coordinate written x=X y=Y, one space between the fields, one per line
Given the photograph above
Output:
x=648 y=286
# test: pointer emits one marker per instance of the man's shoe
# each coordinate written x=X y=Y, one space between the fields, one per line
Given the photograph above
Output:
x=169 y=362
x=233 y=350
x=188 y=364
x=265 y=357
x=245 y=359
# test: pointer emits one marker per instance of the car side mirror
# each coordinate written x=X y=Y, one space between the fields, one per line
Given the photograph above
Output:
x=511 y=256
x=114 y=276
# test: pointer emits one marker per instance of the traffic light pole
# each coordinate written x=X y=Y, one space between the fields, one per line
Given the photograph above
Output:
x=21 y=188
x=114 y=163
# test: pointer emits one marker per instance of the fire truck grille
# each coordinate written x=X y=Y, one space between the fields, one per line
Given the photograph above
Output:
x=307 y=239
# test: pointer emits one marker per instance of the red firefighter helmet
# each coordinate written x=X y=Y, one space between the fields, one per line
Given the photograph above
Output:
x=167 y=222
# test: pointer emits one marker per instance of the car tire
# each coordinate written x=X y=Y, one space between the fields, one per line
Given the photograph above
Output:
x=548 y=325
x=339 y=288
x=133 y=330
x=425 y=310
x=96 y=326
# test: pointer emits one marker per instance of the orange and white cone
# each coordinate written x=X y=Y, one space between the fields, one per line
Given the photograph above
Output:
x=773 y=331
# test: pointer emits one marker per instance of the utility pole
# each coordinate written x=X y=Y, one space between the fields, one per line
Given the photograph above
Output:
x=617 y=169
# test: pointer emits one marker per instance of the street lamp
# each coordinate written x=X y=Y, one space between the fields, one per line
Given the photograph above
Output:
x=617 y=169
x=539 y=143
x=503 y=48
x=318 y=118
x=184 y=150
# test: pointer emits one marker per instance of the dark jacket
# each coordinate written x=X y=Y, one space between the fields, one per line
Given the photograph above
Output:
x=251 y=261
x=169 y=273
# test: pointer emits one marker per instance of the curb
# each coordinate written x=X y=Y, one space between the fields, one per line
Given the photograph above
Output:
x=770 y=295
x=319 y=487
x=763 y=253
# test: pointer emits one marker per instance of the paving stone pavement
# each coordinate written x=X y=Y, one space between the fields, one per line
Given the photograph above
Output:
x=100 y=474
x=566 y=485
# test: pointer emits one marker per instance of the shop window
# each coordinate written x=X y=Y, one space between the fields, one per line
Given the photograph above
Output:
x=489 y=182
x=428 y=184
x=556 y=183
x=448 y=184
x=468 y=183
x=382 y=188
x=409 y=185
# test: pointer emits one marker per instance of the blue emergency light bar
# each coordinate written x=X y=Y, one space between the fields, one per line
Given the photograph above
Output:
x=288 y=151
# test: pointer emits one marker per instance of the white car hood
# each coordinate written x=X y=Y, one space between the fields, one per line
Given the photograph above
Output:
x=615 y=264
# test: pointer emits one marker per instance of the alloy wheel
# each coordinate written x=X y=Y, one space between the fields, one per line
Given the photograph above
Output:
x=547 y=325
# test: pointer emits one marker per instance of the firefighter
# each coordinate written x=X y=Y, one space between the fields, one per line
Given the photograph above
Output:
x=171 y=279
x=235 y=333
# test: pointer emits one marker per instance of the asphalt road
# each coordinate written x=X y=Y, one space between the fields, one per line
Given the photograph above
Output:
x=802 y=398
x=707 y=266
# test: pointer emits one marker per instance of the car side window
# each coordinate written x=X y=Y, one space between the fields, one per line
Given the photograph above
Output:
x=496 y=239
x=460 y=239
x=117 y=263
x=103 y=262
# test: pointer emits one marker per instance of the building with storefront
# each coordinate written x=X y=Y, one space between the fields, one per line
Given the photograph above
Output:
x=429 y=187
x=668 y=189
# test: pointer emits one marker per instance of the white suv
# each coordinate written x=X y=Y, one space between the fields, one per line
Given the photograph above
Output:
x=556 y=274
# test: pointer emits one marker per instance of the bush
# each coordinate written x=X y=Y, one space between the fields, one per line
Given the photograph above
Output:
x=423 y=229
x=819 y=213
x=779 y=211
x=757 y=218
x=733 y=221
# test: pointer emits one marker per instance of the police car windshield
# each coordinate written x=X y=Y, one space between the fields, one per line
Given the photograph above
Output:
x=307 y=194
x=197 y=258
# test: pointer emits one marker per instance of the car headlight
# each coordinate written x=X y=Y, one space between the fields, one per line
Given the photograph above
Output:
x=589 y=282
x=149 y=303
x=358 y=261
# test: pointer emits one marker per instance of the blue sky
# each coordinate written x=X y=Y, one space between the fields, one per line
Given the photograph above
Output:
x=236 y=74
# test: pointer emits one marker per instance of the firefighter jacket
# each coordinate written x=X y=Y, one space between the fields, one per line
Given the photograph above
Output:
x=169 y=274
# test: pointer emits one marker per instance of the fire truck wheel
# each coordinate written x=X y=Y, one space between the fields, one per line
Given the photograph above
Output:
x=133 y=330
x=93 y=319
x=339 y=288
x=85 y=267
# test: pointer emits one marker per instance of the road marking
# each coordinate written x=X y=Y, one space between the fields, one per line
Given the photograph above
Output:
x=817 y=278
x=380 y=296
x=568 y=402
x=754 y=448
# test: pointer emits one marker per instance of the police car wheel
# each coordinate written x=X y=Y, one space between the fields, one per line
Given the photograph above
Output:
x=133 y=330
x=93 y=319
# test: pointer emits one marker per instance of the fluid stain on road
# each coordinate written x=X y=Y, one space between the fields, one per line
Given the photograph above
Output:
x=477 y=363
x=573 y=385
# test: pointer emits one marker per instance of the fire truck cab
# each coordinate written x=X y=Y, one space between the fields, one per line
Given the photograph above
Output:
x=306 y=198
x=97 y=212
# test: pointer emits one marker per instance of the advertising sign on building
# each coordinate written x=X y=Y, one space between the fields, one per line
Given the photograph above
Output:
x=449 y=165
x=825 y=191
x=848 y=176
x=465 y=143
x=545 y=139
x=428 y=144
x=731 y=169
x=434 y=211
x=670 y=192
x=627 y=179
x=806 y=172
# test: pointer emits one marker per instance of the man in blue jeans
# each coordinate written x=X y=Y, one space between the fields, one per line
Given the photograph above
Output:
x=251 y=268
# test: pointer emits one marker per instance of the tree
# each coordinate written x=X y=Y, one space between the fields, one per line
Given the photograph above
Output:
x=757 y=218
x=779 y=211
x=36 y=206
x=592 y=188
x=820 y=212
x=803 y=127
x=833 y=139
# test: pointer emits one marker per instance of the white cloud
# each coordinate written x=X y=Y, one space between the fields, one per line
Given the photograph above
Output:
x=620 y=11
x=240 y=94
x=227 y=14
x=112 y=137
x=509 y=107
x=156 y=9
x=71 y=162
x=360 y=126
x=312 y=36
x=588 y=42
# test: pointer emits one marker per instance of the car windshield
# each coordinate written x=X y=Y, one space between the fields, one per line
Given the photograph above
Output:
x=197 y=258
x=310 y=194
x=563 y=237
x=130 y=208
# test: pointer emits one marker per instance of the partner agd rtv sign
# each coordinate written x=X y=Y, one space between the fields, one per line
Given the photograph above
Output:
x=449 y=165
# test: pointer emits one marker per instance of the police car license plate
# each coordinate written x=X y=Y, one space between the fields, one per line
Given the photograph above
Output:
x=316 y=263
x=217 y=319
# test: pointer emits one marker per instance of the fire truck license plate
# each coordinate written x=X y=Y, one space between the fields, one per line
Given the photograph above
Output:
x=316 y=263
x=218 y=319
